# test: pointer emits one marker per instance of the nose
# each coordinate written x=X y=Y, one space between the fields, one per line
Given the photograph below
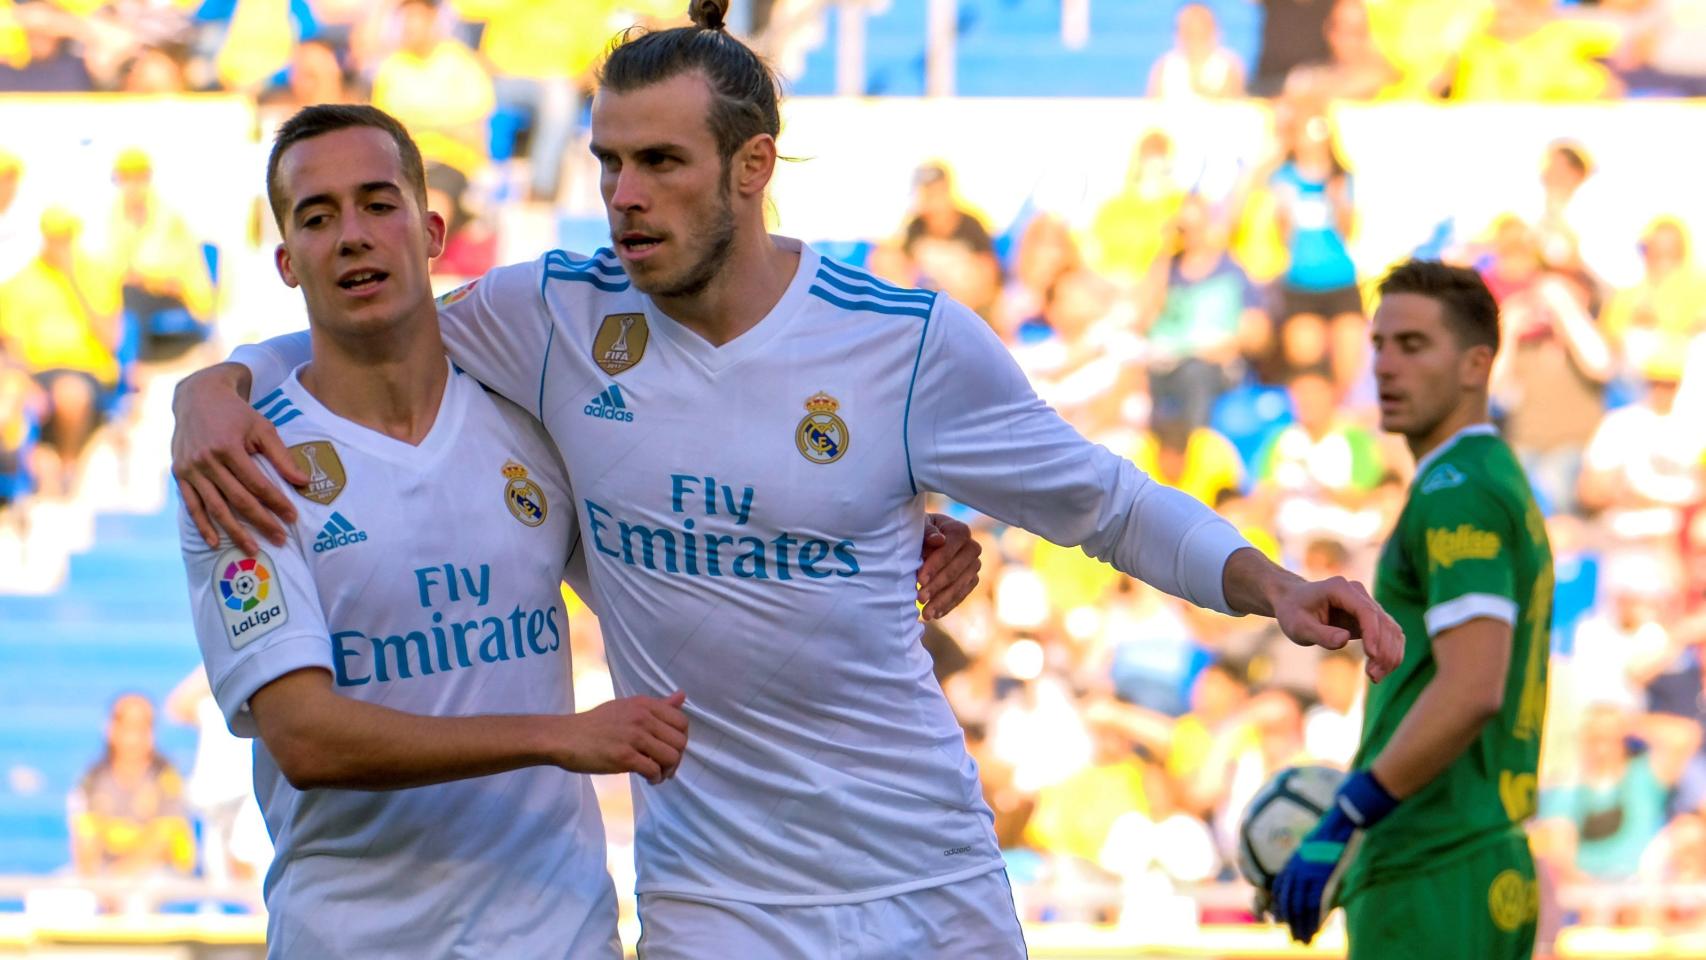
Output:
x=353 y=235
x=627 y=193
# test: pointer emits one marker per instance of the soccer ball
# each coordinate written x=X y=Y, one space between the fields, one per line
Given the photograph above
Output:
x=1286 y=808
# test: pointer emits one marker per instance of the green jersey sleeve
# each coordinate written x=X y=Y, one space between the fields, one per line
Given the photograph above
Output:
x=1464 y=535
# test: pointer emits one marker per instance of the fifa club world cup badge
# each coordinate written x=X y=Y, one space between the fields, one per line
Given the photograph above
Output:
x=526 y=502
x=319 y=459
x=621 y=342
x=822 y=436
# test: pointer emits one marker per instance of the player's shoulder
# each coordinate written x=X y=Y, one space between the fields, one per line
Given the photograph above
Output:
x=1475 y=472
x=844 y=288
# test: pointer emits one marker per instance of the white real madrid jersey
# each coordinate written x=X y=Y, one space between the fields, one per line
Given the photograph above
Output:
x=751 y=516
x=426 y=579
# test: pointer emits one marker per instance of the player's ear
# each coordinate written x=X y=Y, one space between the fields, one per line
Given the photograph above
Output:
x=754 y=163
x=1477 y=364
x=435 y=229
x=281 y=259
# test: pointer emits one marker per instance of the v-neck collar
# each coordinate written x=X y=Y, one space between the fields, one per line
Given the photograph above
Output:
x=1473 y=430
x=440 y=437
x=715 y=359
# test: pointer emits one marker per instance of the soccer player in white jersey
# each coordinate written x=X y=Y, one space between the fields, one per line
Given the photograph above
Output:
x=409 y=681
x=750 y=430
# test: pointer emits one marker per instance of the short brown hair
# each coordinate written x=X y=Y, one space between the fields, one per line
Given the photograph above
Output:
x=1469 y=307
x=324 y=118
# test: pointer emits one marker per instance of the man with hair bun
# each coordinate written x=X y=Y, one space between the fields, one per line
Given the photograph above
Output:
x=750 y=430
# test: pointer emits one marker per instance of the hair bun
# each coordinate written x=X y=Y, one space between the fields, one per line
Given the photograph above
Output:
x=708 y=14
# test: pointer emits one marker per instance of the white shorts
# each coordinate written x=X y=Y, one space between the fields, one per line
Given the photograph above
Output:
x=972 y=918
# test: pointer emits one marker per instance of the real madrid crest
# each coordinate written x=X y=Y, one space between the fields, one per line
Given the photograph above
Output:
x=522 y=496
x=319 y=459
x=621 y=342
x=822 y=436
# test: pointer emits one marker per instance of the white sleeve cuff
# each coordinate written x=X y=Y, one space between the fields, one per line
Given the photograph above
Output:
x=1470 y=606
x=285 y=655
x=1203 y=562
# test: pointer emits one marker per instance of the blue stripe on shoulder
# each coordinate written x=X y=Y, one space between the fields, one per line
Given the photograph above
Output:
x=607 y=286
x=603 y=262
x=292 y=415
x=865 y=276
x=269 y=398
x=912 y=296
x=921 y=311
x=282 y=405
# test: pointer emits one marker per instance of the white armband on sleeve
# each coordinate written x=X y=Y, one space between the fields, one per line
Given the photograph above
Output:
x=271 y=361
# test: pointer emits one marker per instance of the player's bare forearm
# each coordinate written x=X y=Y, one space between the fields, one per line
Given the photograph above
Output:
x=321 y=739
x=1253 y=583
x=1465 y=693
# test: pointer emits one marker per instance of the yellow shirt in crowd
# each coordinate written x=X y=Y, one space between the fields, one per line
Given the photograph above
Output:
x=444 y=98
x=1075 y=815
x=41 y=316
x=1555 y=62
x=163 y=248
x=1211 y=464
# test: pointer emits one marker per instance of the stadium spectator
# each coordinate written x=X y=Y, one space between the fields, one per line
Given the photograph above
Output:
x=153 y=71
x=541 y=53
x=1657 y=317
x=50 y=63
x=1421 y=38
x=1666 y=50
x=1322 y=468
x=1601 y=823
x=22 y=405
x=470 y=244
x=1675 y=858
x=168 y=290
x=1321 y=323
x=1046 y=252
x=259 y=37
x=1550 y=382
x=1198 y=460
x=1204 y=312
x=438 y=88
x=1581 y=224
x=1527 y=51
x=1129 y=230
x=1075 y=816
x=1197 y=67
x=127 y=812
x=1085 y=366
x=221 y=787
x=19 y=237
x=315 y=75
x=60 y=316
x=950 y=245
x=1332 y=728
x=1641 y=470
x=1293 y=33
x=1354 y=69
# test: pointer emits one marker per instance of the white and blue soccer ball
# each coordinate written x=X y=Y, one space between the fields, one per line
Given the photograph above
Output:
x=1279 y=815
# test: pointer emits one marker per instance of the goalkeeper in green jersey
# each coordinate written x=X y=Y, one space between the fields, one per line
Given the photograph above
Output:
x=1425 y=847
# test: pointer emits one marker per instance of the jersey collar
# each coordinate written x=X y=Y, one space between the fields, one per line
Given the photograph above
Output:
x=715 y=359
x=1473 y=430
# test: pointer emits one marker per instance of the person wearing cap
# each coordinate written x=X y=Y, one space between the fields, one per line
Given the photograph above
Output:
x=60 y=317
x=168 y=291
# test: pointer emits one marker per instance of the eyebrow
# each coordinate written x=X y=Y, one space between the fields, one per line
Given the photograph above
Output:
x=666 y=146
x=371 y=186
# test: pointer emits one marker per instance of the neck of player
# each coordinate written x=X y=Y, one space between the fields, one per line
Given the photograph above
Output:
x=1471 y=411
x=744 y=291
x=391 y=383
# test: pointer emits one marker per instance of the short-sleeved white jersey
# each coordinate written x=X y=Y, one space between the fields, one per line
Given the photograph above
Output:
x=751 y=516
x=425 y=579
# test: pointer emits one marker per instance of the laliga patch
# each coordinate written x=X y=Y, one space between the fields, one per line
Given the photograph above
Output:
x=458 y=295
x=621 y=342
x=251 y=600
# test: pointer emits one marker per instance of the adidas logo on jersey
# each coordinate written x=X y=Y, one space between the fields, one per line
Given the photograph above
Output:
x=608 y=405
x=337 y=532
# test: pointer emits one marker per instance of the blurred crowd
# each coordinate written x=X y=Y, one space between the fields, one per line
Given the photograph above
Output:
x=1217 y=339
